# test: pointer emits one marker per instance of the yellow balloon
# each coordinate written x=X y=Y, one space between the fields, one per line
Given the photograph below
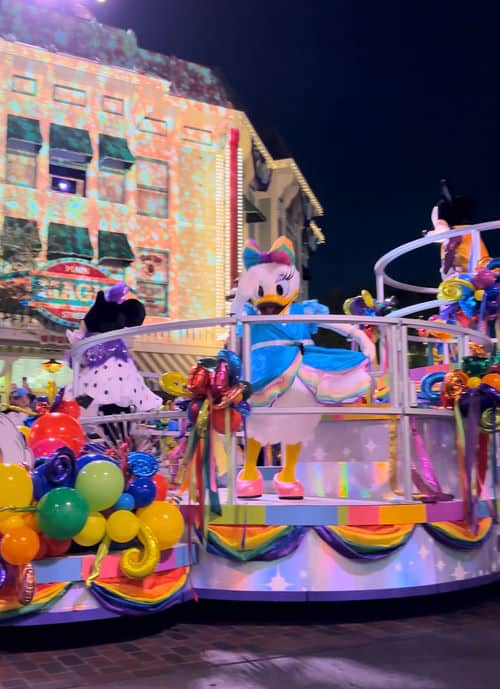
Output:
x=93 y=532
x=175 y=384
x=165 y=521
x=122 y=526
x=16 y=488
x=14 y=521
x=474 y=382
x=136 y=564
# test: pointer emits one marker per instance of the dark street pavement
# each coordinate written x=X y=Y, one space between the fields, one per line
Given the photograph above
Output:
x=448 y=643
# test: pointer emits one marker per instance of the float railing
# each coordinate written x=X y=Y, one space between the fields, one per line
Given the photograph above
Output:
x=383 y=279
x=395 y=335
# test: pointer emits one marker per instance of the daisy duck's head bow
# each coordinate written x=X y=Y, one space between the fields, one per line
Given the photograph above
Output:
x=270 y=280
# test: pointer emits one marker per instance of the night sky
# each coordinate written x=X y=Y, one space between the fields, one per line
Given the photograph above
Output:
x=376 y=100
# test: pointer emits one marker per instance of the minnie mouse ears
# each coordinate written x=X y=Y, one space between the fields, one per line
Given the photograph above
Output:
x=105 y=316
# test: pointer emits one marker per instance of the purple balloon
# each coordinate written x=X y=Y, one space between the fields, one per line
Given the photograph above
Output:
x=60 y=467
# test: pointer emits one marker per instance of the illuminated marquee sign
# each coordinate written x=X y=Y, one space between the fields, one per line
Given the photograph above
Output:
x=63 y=291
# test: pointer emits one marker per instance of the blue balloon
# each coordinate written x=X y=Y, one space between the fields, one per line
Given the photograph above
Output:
x=83 y=460
x=126 y=501
x=173 y=425
x=40 y=484
x=143 y=490
x=233 y=362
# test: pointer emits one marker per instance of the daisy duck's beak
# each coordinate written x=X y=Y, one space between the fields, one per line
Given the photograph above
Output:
x=273 y=304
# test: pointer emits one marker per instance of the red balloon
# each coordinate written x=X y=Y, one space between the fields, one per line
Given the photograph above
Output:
x=198 y=381
x=44 y=448
x=161 y=484
x=50 y=547
x=70 y=407
x=219 y=420
x=220 y=383
x=59 y=427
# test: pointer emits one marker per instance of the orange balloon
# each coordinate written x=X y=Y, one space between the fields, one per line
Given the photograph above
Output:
x=20 y=546
x=492 y=379
x=219 y=420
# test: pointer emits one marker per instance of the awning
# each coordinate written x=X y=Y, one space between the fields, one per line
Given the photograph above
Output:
x=114 y=152
x=68 y=241
x=18 y=236
x=69 y=144
x=114 y=248
x=154 y=364
x=252 y=213
x=24 y=133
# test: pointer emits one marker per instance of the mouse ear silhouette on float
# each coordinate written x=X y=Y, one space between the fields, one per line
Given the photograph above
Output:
x=107 y=315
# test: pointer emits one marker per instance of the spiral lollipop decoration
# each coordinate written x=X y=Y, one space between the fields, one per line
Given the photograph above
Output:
x=60 y=467
x=142 y=464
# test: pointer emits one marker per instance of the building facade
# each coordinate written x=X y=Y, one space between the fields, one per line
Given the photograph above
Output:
x=119 y=163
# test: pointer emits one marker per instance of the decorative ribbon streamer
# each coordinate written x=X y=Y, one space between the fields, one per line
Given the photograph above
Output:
x=102 y=551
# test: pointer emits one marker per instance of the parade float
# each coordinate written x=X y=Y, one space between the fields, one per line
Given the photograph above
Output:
x=115 y=504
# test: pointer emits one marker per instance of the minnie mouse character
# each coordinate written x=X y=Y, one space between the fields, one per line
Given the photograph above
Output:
x=109 y=382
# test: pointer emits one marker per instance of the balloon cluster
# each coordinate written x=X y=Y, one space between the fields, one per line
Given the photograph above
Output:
x=478 y=380
x=365 y=305
x=213 y=385
x=476 y=295
x=78 y=494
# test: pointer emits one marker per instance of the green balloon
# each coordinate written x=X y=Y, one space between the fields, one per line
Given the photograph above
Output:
x=101 y=483
x=62 y=513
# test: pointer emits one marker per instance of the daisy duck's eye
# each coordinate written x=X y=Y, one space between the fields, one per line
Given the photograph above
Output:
x=260 y=291
x=282 y=288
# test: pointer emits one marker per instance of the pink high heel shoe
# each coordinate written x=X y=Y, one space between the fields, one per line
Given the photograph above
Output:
x=288 y=490
x=249 y=489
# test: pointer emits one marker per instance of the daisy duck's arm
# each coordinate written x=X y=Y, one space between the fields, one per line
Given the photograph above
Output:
x=346 y=329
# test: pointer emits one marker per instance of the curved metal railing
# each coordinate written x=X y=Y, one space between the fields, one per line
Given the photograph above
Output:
x=395 y=334
x=383 y=279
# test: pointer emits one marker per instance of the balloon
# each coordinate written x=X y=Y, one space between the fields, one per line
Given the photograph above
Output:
x=174 y=384
x=221 y=378
x=15 y=521
x=60 y=467
x=44 y=448
x=101 y=483
x=165 y=521
x=142 y=464
x=69 y=407
x=474 y=382
x=19 y=546
x=50 y=547
x=93 y=532
x=62 y=513
x=143 y=490
x=122 y=526
x=234 y=363
x=16 y=488
x=199 y=381
x=26 y=584
x=30 y=519
x=125 y=502
x=161 y=484
x=492 y=379
x=476 y=366
x=85 y=459
x=40 y=484
x=219 y=420
x=137 y=565
x=58 y=426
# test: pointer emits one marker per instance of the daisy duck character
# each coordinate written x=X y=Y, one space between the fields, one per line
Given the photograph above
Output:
x=109 y=382
x=452 y=213
x=287 y=368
